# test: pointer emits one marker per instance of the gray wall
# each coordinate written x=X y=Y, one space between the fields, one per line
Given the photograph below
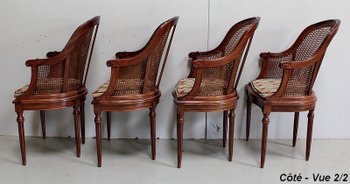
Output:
x=31 y=28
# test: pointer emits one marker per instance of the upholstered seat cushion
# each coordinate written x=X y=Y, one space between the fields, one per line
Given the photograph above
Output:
x=265 y=87
x=49 y=85
x=21 y=91
x=100 y=90
x=184 y=86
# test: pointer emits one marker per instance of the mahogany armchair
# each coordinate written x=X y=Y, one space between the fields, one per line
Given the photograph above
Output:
x=134 y=83
x=59 y=82
x=286 y=80
x=211 y=84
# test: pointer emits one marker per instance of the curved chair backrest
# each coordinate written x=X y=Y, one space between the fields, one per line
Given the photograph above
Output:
x=146 y=75
x=233 y=51
x=70 y=74
x=160 y=44
x=81 y=44
x=311 y=46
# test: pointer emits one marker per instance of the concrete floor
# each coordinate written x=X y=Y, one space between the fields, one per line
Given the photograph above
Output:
x=128 y=161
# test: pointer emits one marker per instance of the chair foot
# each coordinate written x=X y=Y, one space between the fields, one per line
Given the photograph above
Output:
x=179 y=144
x=249 y=109
x=77 y=130
x=98 y=120
x=20 y=121
x=310 y=122
x=108 y=114
x=265 y=122
x=295 y=128
x=231 y=134
x=180 y=124
x=43 y=124
x=82 y=122
x=224 y=129
x=152 y=115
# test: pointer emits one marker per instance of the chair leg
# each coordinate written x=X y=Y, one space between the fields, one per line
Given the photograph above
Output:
x=152 y=115
x=249 y=109
x=98 y=120
x=310 y=123
x=20 y=121
x=82 y=121
x=295 y=128
x=43 y=124
x=224 y=130
x=265 y=122
x=108 y=114
x=77 y=130
x=231 y=134
x=180 y=125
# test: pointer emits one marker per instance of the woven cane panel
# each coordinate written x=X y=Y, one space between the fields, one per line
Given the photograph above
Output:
x=130 y=79
x=228 y=47
x=128 y=87
x=311 y=43
x=235 y=38
x=155 y=59
x=51 y=77
x=215 y=80
x=210 y=56
x=299 y=83
x=274 y=71
x=54 y=85
x=79 y=56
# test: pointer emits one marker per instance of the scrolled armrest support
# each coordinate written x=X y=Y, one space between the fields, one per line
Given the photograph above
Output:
x=52 y=54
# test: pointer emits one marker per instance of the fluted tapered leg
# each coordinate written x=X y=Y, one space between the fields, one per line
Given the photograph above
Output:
x=98 y=120
x=43 y=124
x=77 y=130
x=249 y=109
x=310 y=123
x=295 y=128
x=152 y=115
x=265 y=122
x=82 y=122
x=108 y=114
x=20 y=121
x=180 y=125
x=231 y=134
x=224 y=129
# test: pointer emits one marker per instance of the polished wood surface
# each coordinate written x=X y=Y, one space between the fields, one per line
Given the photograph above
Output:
x=297 y=68
x=134 y=83
x=51 y=87
x=225 y=64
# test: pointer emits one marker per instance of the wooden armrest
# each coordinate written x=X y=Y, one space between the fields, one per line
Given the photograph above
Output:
x=123 y=62
x=270 y=63
x=293 y=65
x=197 y=54
x=196 y=85
x=266 y=55
x=210 y=63
x=35 y=62
x=125 y=54
x=301 y=64
x=297 y=64
x=269 y=54
x=52 y=54
x=60 y=56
